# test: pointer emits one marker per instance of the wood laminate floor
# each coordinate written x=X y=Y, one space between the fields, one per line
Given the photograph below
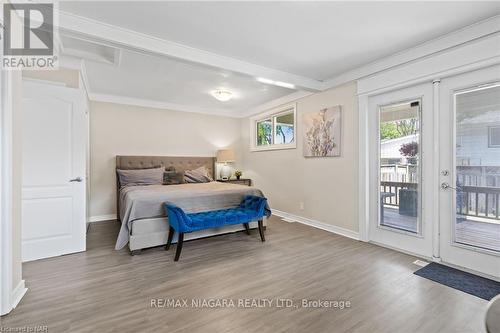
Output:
x=103 y=290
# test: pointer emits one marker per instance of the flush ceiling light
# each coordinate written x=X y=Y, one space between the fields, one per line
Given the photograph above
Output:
x=222 y=95
x=276 y=83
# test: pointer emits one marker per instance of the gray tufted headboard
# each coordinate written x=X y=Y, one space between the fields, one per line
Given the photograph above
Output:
x=180 y=163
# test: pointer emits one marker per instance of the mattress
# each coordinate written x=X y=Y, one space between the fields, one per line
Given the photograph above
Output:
x=146 y=203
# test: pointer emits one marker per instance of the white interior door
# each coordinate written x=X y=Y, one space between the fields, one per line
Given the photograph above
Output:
x=401 y=166
x=54 y=139
x=470 y=170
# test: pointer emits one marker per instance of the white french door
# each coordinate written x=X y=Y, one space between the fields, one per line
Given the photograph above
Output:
x=400 y=169
x=434 y=170
x=53 y=190
x=469 y=144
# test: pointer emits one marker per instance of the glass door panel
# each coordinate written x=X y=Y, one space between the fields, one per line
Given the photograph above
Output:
x=477 y=167
x=399 y=171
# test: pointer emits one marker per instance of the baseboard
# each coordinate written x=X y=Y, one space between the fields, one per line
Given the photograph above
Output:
x=18 y=293
x=99 y=218
x=316 y=224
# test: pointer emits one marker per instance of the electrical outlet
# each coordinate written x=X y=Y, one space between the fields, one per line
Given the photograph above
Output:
x=301 y=205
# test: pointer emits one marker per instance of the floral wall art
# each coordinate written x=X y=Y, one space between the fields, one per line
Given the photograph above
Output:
x=322 y=132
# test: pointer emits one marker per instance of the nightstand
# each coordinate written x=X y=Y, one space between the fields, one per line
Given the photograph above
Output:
x=241 y=181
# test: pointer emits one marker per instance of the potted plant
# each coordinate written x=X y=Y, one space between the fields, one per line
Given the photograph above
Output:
x=410 y=151
x=238 y=174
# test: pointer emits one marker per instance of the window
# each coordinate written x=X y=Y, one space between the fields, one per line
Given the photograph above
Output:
x=264 y=132
x=494 y=137
x=275 y=129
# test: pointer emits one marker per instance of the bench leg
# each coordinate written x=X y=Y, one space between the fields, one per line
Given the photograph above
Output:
x=261 y=231
x=171 y=232
x=247 y=228
x=179 y=246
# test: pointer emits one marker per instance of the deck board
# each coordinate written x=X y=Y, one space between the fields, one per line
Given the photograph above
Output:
x=480 y=234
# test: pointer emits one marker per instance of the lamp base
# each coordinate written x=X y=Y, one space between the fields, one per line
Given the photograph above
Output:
x=225 y=172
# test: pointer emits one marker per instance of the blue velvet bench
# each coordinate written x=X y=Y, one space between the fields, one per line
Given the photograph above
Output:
x=252 y=208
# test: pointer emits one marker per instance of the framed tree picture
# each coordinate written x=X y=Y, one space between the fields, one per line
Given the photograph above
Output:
x=322 y=132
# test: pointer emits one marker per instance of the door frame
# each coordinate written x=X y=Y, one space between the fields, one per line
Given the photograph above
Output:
x=5 y=190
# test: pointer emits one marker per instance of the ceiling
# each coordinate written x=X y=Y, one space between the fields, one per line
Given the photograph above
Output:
x=313 y=39
x=166 y=80
x=307 y=42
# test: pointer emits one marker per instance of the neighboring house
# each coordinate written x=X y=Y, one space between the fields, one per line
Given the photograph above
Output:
x=478 y=140
x=393 y=165
x=389 y=149
x=478 y=150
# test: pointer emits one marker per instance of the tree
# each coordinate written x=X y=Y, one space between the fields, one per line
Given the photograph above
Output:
x=389 y=131
x=279 y=131
x=407 y=126
x=264 y=132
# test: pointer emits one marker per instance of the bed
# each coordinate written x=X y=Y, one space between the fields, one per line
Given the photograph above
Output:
x=140 y=211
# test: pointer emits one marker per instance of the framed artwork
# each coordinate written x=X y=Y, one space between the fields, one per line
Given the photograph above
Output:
x=322 y=132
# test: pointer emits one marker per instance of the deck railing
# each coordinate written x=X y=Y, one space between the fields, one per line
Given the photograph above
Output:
x=479 y=201
x=394 y=187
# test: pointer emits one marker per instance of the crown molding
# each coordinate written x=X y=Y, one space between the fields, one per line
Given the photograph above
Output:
x=116 y=99
x=86 y=28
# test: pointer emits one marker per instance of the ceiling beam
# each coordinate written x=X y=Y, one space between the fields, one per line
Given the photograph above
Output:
x=83 y=27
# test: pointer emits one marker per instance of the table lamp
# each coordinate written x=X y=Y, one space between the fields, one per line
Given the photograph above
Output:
x=225 y=156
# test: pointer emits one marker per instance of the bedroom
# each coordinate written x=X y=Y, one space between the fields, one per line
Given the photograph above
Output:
x=369 y=130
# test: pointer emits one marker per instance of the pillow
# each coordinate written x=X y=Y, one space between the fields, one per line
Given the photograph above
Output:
x=198 y=175
x=140 y=176
x=172 y=177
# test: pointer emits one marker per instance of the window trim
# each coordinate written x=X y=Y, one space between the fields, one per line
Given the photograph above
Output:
x=284 y=109
x=490 y=145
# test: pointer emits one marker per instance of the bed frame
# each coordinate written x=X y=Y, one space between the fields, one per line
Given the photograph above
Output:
x=154 y=232
x=180 y=163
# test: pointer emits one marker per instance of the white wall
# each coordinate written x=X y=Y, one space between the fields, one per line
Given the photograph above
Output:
x=117 y=129
x=327 y=186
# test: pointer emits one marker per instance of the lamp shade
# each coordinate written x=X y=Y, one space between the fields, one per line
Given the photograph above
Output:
x=225 y=156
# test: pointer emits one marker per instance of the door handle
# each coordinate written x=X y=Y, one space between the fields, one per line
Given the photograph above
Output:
x=77 y=179
x=446 y=186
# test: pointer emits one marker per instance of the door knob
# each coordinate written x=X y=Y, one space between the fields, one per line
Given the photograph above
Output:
x=446 y=186
x=77 y=179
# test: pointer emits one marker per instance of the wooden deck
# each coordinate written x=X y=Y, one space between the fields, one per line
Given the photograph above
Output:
x=393 y=219
x=481 y=234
